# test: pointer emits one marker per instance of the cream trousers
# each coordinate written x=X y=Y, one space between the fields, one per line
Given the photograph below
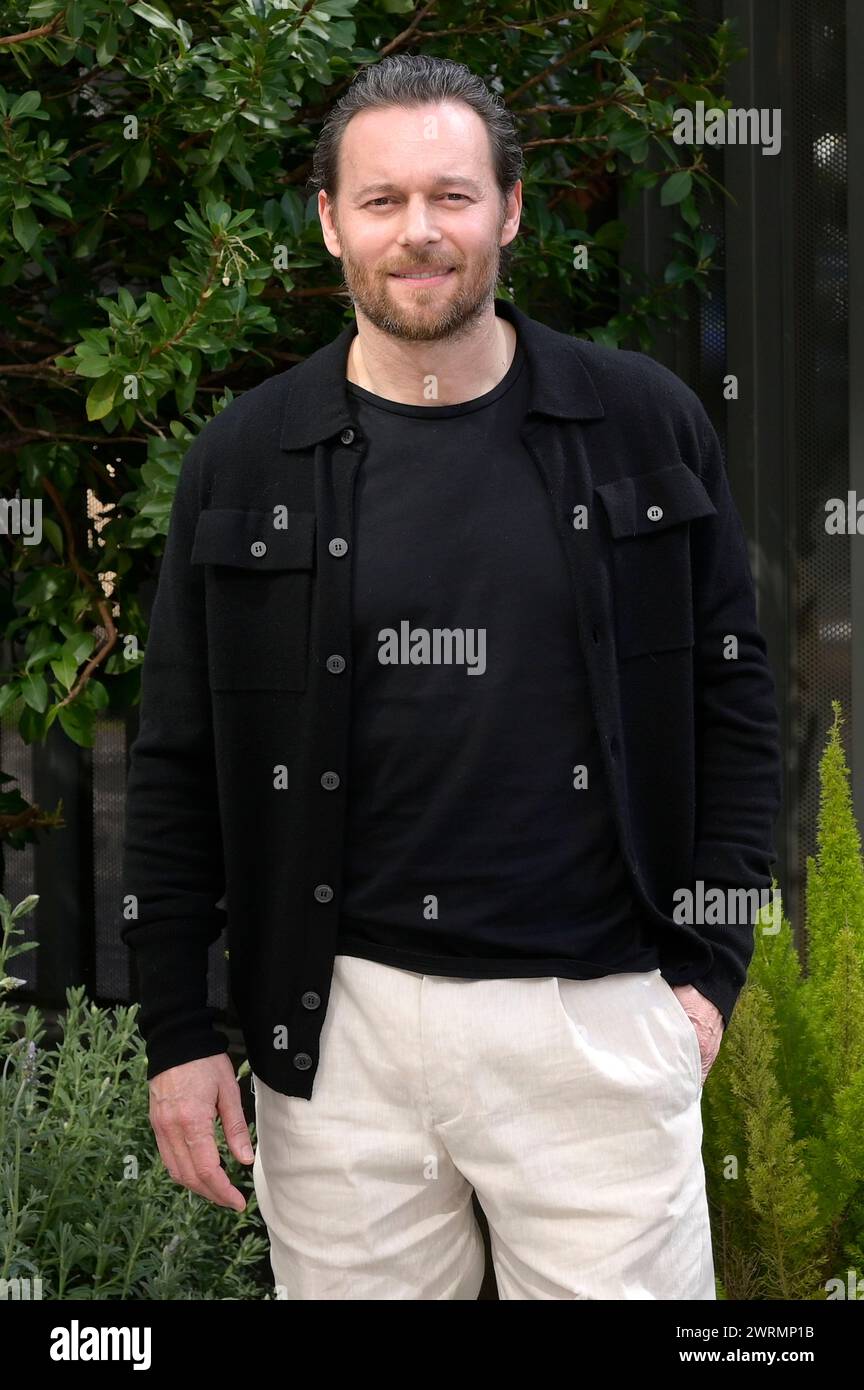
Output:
x=571 y=1107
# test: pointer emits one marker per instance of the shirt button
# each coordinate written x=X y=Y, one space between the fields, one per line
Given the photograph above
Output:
x=335 y=664
x=330 y=781
x=302 y=1061
x=338 y=546
x=310 y=1000
x=323 y=892
x=654 y=513
x=347 y=436
x=258 y=548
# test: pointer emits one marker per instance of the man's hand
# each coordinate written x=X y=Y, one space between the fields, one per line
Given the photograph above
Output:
x=706 y=1019
x=184 y=1102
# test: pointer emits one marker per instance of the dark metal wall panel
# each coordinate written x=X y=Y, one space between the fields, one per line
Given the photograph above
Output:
x=821 y=587
x=778 y=321
x=64 y=869
x=108 y=813
x=761 y=439
x=19 y=866
x=855 y=242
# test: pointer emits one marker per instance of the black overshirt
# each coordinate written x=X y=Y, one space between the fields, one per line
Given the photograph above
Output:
x=237 y=789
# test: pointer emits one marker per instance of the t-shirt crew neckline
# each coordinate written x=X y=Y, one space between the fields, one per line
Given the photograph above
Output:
x=440 y=412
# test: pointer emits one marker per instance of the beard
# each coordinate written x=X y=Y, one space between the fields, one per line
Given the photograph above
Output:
x=424 y=316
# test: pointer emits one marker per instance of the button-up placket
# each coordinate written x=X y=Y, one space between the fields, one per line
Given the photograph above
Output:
x=324 y=761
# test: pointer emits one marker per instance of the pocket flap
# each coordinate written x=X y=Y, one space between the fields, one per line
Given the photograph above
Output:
x=225 y=536
x=647 y=502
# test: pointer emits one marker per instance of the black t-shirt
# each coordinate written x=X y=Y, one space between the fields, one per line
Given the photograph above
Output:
x=475 y=847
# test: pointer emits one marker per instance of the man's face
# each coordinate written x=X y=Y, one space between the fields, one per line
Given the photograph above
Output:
x=417 y=192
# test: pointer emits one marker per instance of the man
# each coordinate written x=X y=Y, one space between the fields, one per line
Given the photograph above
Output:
x=454 y=685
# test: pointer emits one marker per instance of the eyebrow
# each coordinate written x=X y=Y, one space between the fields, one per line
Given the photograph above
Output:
x=385 y=187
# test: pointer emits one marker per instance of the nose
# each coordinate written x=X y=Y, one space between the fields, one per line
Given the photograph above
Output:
x=418 y=223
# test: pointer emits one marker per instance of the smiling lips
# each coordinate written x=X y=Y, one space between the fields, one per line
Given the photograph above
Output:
x=421 y=274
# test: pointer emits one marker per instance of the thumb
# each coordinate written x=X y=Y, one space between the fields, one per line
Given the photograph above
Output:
x=230 y=1109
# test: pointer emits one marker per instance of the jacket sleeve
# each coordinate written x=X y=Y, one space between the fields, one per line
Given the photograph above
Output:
x=738 y=762
x=173 y=871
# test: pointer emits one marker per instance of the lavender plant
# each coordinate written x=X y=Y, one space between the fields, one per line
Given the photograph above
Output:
x=86 y=1205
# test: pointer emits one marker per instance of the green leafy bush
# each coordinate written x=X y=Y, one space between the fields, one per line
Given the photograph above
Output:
x=160 y=253
x=784 y=1102
x=86 y=1204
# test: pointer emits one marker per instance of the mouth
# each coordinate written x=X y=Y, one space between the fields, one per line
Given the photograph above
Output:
x=422 y=277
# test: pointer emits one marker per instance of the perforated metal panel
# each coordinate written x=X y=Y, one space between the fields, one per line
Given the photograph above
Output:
x=109 y=797
x=778 y=317
x=820 y=576
x=19 y=865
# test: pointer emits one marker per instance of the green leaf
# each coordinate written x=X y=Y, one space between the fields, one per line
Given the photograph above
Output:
x=54 y=534
x=92 y=367
x=95 y=695
x=27 y=103
x=612 y=234
x=78 y=721
x=34 y=688
x=160 y=312
x=106 y=43
x=54 y=203
x=676 y=188
x=218 y=213
x=100 y=400
x=88 y=239
x=184 y=394
x=75 y=18
x=292 y=209
x=136 y=165
x=26 y=905
x=690 y=212
x=9 y=696
x=678 y=273
x=31 y=725
x=154 y=17
x=604 y=335
x=79 y=646
x=65 y=669
x=241 y=174
x=25 y=227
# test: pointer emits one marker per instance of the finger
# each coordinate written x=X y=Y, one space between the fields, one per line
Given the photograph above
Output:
x=230 y=1109
x=176 y=1159
x=202 y=1150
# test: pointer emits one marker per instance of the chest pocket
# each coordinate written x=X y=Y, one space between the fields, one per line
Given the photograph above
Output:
x=258 y=583
x=648 y=517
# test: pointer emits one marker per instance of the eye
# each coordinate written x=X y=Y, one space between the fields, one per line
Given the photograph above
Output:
x=385 y=198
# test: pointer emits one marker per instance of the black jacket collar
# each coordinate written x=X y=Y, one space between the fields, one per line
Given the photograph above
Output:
x=317 y=401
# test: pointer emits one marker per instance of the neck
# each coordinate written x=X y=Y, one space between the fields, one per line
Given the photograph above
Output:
x=461 y=367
